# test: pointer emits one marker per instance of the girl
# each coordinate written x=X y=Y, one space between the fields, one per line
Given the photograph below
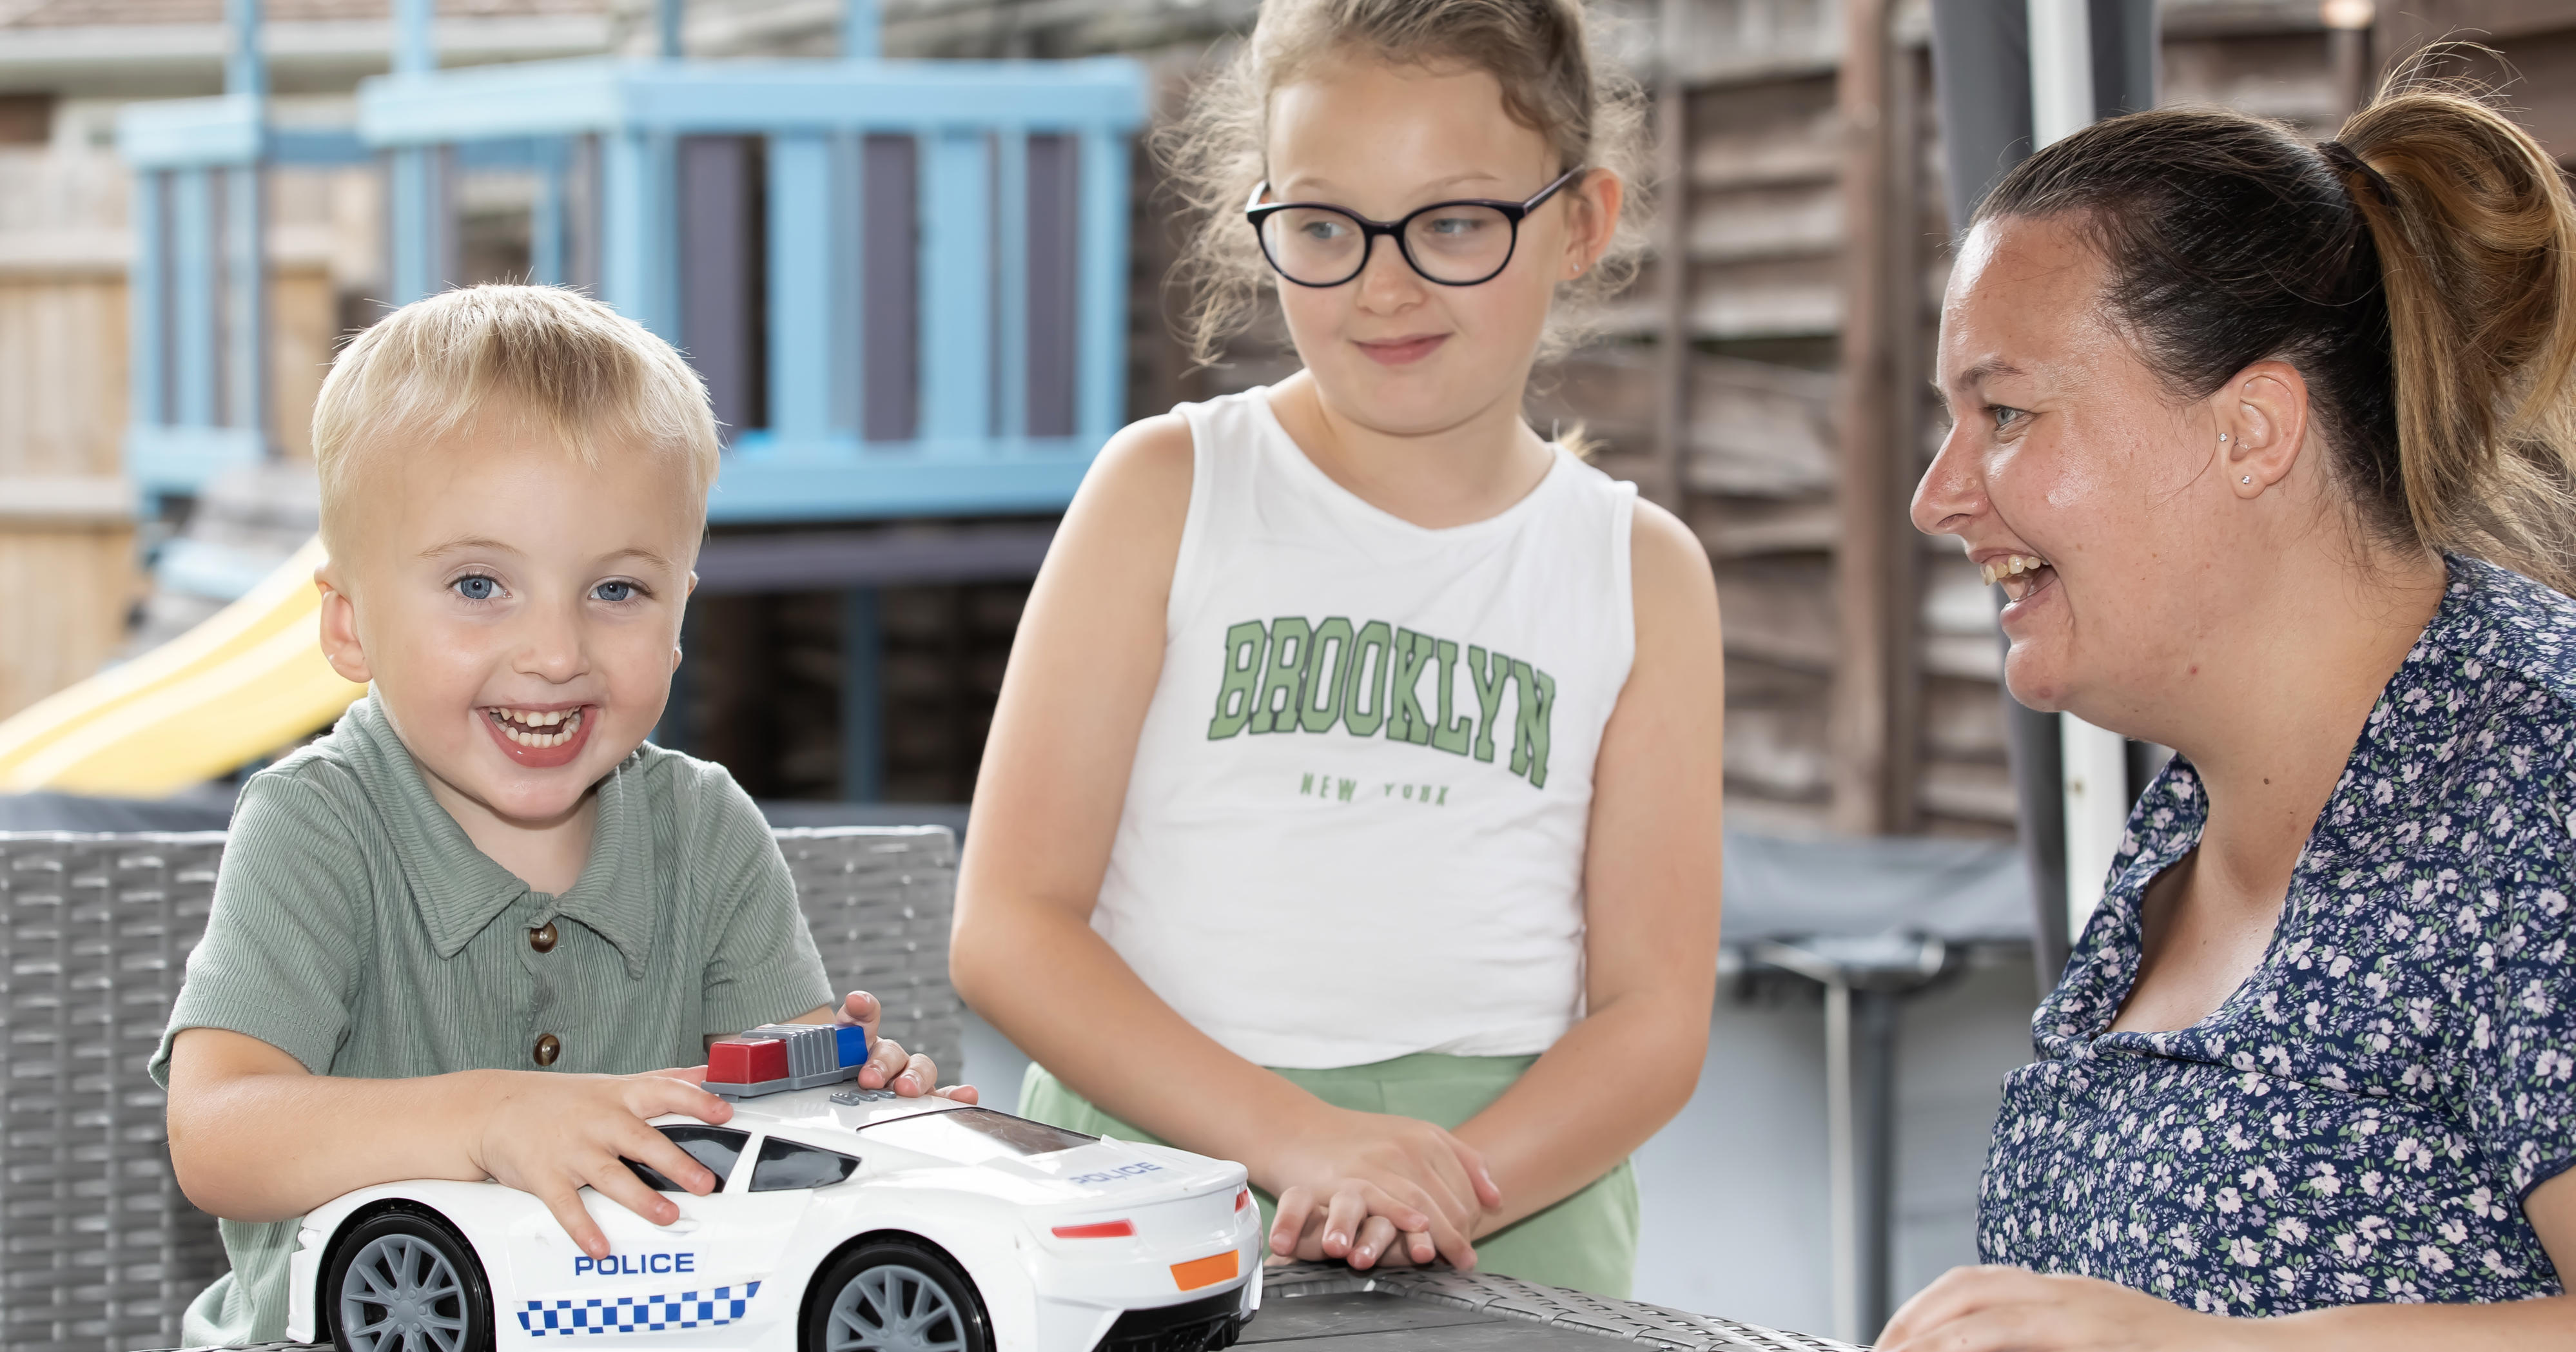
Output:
x=1351 y=809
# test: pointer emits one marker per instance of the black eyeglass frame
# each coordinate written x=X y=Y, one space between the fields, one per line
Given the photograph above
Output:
x=1256 y=211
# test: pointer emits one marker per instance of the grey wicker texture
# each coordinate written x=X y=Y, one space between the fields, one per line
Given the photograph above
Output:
x=102 y=1253
x=878 y=900
x=1626 y=1320
x=99 y=1252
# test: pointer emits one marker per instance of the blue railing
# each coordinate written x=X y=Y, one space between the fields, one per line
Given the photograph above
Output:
x=904 y=281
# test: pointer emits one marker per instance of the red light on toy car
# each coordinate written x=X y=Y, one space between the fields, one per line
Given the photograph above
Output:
x=1243 y=1199
x=733 y=1061
x=1097 y=1230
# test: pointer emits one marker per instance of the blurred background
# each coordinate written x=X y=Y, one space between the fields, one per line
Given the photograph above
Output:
x=922 y=308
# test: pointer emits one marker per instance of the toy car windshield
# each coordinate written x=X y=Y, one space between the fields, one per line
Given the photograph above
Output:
x=973 y=1135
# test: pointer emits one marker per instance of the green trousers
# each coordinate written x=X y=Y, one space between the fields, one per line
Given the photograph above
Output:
x=1588 y=1242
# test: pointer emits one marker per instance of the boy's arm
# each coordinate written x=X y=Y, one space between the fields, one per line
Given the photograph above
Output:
x=254 y=1136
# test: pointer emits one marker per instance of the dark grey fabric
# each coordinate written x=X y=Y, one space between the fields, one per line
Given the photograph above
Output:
x=1959 y=891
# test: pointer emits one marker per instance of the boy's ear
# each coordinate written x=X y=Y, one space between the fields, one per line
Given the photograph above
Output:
x=339 y=623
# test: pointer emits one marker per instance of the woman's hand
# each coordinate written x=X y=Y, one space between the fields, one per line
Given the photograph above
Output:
x=2010 y=1309
x=1425 y=1189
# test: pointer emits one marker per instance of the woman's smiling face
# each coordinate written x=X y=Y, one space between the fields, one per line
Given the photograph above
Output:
x=2068 y=461
x=1389 y=349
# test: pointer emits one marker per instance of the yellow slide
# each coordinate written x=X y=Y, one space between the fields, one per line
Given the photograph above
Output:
x=248 y=681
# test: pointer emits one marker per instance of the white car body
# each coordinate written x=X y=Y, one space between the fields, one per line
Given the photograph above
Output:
x=732 y=1273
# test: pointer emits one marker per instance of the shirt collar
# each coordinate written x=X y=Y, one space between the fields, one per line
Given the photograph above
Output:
x=460 y=890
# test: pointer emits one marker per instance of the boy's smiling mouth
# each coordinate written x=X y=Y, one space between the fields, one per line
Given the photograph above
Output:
x=538 y=738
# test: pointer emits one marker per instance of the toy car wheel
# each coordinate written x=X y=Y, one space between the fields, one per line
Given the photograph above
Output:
x=893 y=1295
x=402 y=1281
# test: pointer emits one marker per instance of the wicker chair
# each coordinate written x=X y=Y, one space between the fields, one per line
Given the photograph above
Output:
x=102 y=1253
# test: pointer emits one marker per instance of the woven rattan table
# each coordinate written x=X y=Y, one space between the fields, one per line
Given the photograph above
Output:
x=1315 y=1307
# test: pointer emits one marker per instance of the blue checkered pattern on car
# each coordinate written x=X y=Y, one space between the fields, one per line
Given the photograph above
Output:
x=637 y=1314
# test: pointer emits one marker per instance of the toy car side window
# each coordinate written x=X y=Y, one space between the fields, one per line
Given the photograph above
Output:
x=785 y=1166
x=715 y=1147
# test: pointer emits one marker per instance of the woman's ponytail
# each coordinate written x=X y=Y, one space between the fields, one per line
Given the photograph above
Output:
x=2476 y=237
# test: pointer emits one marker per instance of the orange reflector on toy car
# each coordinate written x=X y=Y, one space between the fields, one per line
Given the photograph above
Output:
x=1208 y=1271
x=1097 y=1230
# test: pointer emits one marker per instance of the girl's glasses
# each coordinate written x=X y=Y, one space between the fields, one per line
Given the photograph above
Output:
x=1451 y=243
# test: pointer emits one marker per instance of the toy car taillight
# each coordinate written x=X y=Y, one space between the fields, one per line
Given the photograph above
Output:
x=1097 y=1230
x=780 y=1056
x=1243 y=1199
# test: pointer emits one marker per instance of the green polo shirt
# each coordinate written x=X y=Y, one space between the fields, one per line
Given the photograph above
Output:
x=357 y=929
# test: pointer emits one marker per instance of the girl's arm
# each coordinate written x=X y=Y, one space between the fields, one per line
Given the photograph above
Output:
x=1650 y=878
x=1083 y=670
x=2004 y=1309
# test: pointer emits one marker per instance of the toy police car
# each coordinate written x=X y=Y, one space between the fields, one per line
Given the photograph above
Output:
x=844 y=1220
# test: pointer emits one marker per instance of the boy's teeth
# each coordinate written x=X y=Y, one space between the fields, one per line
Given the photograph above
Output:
x=1996 y=570
x=523 y=725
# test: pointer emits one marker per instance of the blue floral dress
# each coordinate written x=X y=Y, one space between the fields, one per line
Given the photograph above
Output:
x=2361 y=1120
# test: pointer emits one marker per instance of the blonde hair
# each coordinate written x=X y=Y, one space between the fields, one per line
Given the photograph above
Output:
x=554 y=358
x=1555 y=82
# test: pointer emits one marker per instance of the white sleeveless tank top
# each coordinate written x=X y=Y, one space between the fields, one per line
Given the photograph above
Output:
x=1355 y=827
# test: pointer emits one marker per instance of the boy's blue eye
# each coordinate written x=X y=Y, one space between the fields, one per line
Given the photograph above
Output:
x=614 y=591
x=476 y=587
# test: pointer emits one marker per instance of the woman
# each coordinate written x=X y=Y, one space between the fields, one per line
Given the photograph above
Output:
x=2269 y=446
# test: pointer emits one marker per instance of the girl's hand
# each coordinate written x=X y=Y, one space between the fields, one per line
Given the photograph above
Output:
x=2010 y=1309
x=888 y=1067
x=1346 y=1167
x=552 y=1135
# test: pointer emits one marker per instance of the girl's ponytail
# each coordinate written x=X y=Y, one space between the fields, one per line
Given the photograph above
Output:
x=2476 y=237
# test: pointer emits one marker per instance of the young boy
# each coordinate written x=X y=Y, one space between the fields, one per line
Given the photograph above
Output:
x=460 y=936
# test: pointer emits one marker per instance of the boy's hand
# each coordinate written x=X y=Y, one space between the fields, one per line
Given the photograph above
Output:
x=551 y=1135
x=888 y=1067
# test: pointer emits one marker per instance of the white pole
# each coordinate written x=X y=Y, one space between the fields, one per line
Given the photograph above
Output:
x=2095 y=766
x=2061 y=69
x=1842 y=1160
x=2094 y=763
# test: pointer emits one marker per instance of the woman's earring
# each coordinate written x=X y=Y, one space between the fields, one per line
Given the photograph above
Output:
x=2247 y=479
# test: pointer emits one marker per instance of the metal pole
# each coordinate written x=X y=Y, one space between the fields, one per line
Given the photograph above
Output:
x=1842 y=1187
x=862 y=698
x=1875 y=1129
x=2061 y=68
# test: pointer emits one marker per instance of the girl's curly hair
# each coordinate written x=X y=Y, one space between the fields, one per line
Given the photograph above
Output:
x=1555 y=81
